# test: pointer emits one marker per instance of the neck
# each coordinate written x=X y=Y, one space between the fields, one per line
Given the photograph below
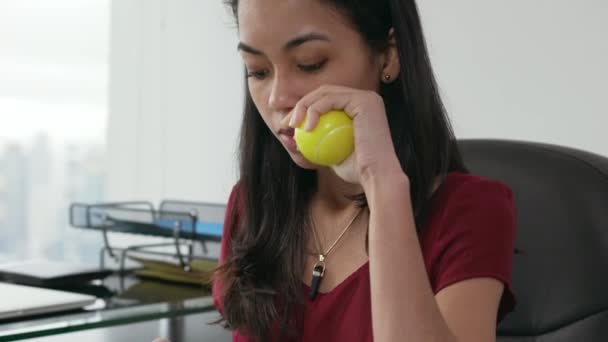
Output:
x=331 y=205
x=333 y=193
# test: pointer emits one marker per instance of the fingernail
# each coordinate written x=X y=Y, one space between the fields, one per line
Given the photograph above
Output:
x=308 y=125
x=291 y=121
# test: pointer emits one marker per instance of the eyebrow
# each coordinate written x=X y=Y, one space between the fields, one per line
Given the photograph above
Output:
x=293 y=43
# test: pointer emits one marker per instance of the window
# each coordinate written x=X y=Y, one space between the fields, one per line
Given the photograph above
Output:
x=53 y=113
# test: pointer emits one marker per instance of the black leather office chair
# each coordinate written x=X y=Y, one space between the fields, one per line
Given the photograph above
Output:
x=560 y=275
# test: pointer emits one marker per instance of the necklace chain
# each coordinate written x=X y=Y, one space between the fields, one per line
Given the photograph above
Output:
x=323 y=255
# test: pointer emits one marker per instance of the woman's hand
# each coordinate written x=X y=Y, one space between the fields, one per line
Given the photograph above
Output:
x=374 y=153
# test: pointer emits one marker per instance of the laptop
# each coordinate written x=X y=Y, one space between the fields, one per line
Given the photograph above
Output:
x=20 y=301
x=47 y=273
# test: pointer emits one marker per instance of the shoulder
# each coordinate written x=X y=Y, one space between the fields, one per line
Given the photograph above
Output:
x=471 y=206
x=458 y=187
x=471 y=233
x=231 y=218
x=471 y=229
x=235 y=199
x=469 y=196
x=234 y=209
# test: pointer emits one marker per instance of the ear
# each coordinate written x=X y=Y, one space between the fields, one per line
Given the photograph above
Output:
x=390 y=60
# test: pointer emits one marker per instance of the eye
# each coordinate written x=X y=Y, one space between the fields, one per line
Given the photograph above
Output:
x=312 y=67
x=257 y=74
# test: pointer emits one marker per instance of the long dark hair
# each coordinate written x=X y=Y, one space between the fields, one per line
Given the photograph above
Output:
x=261 y=275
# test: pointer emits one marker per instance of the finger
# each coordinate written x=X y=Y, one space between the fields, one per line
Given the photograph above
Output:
x=300 y=109
x=297 y=115
x=324 y=105
x=311 y=121
x=286 y=119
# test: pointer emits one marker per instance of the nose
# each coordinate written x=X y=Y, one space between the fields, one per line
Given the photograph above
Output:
x=283 y=96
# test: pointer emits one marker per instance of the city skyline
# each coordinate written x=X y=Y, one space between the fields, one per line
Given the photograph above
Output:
x=38 y=181
x=54 y=64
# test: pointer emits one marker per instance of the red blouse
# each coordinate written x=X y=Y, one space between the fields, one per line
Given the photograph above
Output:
x=470 y=233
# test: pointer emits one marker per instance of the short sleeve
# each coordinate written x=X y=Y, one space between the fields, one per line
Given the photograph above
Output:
x=230 y=218
x=477 y=237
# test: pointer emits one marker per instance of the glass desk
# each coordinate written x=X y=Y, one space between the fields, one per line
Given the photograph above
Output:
x=121 y=300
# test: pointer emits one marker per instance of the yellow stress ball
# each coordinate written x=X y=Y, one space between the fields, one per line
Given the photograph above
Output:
x=330 y=142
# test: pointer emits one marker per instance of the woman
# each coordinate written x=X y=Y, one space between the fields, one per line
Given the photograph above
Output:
x=402 y=244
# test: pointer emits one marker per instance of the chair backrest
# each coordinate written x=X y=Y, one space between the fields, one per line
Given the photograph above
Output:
x=560 y=273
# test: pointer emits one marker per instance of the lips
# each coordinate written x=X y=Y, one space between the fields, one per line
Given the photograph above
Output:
x=287 y=132
x=286 y=136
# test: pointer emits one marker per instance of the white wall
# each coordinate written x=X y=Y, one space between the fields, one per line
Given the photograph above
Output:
x=519 y=69
x=175 y=101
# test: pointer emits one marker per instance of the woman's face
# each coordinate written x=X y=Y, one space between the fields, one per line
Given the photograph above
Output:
x=290 y=48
